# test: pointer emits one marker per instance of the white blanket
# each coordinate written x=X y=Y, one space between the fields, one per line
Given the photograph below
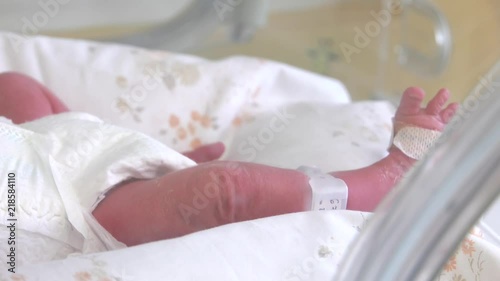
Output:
x=265 y=112
x=183 y=101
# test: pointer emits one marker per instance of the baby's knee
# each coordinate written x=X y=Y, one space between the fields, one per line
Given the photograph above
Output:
x=11 y=79
x=17 y=86
x=22 y=98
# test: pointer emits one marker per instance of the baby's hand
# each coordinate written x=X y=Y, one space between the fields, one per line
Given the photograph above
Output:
x=206 y=153
x=434 y=116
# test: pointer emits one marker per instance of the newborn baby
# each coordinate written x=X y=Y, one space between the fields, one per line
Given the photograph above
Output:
x=137 y=211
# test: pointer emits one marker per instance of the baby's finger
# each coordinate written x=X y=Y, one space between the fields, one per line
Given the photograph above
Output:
x=206 y=153
x=410 y=101
x=437 y=102
x=448 y=113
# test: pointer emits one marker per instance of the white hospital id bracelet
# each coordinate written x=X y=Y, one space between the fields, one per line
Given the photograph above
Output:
x=328 y=192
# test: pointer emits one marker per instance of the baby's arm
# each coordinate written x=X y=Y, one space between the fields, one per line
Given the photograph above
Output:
x=217 y=193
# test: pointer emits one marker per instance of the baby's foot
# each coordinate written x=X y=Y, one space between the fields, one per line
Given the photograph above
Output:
x=434 y=116
x=368 y=186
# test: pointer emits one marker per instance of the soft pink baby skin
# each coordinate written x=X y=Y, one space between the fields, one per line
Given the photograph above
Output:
x=215 y=193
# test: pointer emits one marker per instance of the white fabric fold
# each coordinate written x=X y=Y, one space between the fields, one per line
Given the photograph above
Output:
x=68 y=162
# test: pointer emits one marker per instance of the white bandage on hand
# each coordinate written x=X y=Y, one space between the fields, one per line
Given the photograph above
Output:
x=415 y=141
x=328 y=192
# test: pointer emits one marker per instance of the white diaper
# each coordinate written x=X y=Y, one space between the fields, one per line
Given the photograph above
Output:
x=62 y=166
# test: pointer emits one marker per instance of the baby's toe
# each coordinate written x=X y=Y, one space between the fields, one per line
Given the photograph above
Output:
x=448 y=113
x=437 y=102
x=411 y=101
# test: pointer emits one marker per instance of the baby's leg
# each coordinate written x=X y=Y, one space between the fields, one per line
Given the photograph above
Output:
x=198 y=198
x=23 y=99
x=218 y=193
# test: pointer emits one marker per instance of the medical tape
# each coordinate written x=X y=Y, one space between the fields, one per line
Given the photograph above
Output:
x=415 y=141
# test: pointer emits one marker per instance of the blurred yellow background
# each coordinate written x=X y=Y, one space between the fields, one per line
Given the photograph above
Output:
x=310 y=39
